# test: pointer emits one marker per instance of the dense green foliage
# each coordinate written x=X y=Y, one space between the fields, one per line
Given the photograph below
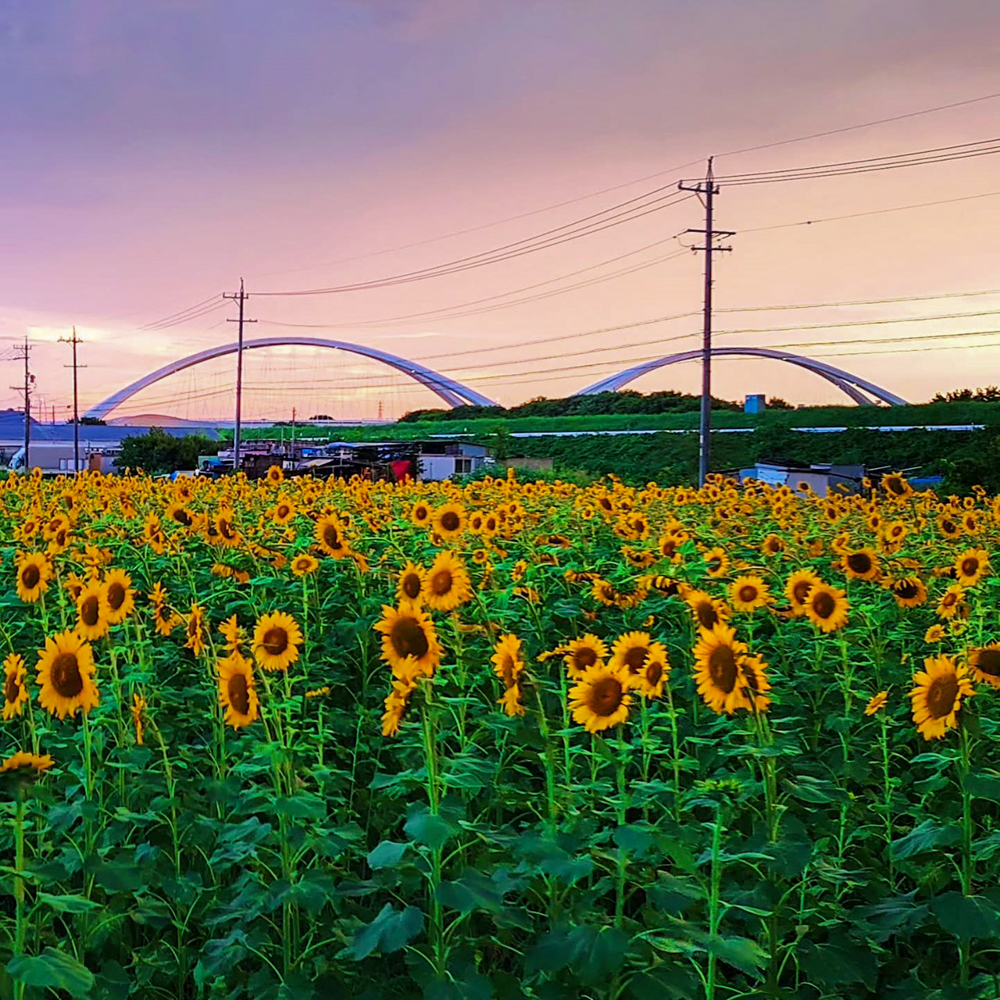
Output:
x=157 y=451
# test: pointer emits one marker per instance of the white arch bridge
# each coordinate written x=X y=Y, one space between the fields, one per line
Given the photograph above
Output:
x=455 y=394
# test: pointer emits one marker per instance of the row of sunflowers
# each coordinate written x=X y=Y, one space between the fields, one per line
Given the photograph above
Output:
x=529 y=739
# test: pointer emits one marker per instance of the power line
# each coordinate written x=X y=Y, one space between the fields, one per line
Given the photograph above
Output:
x=74 y=340
x=587 y=226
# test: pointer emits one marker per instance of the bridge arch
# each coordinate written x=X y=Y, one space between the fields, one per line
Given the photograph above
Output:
x=852 y=385
x=452 y=392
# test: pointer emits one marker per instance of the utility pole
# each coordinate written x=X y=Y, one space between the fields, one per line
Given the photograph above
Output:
x=709 y=189
x=293 y=434
x=26 y=390
x=239 y=297
x=74 y=340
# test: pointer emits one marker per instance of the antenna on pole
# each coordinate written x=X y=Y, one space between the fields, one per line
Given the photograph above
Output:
x=240 y=298
x=709 y=189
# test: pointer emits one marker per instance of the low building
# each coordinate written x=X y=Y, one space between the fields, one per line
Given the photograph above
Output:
x=820 y=479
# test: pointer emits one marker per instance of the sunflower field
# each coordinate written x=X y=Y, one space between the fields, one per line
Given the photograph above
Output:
x=299 y=739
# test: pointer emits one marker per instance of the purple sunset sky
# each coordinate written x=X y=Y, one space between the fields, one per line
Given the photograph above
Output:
x=156 y=151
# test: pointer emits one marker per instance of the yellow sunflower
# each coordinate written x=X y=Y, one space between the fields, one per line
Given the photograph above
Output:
x=232 y=633
x=860 y=564
x=896 y=485
x=25 y=767
x=395 y=706
x=826 y=607
x=772 y=545
x=407 y=631
x=330 y=536
x=33 y=574
x=600 y=699
x=449 y=520
x=420 y=515
x=582 y=654
x=275 y=475
x=757 y=684
x=984 y=663
x=909 y=591
x=876 y=703
x=276 y=641
x=797 y=589
x=970 y=566
x=653 y=676
x=284 y=510
x=716 y=562
x=949 y=525
x=937 y=696
x=507 y=659
x=226 y=531
x=92 y=612
x=138 y=708
x=934 y=634
x=304 y=565
x=747 y=593
x=119 y=597
x=719 y=674
x=632 y=651
x=197 y=637
x=446 y=584
x=65 y=675
x=237 y=690
x=951 y=601
x=15 y=693
x=708 y=611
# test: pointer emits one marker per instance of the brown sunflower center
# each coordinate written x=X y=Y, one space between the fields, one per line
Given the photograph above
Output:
x=442 y=582
x=605 y=696
x=408 y=638
x=239 y=694
x=748 y=593
x=11 y=689
x=116 y=595
x=895 y=485
x=824 y=605
x=275 y=640
x=707 y=615
x=450 y=521
x=226 y=528
x=635 y=659
x=988 y=662
x=66 y=677
x=284 y=510
x=722 y=668
x=90 y=611
x=654 y=671
x=906 y=589
x=331 y=536
x=31 y=575
x=859 y=562
x=801 y=591
x=941 y=694
x=584 y=657
x=970 y=566
x=181 y=516
x=411 y=585
x=948 y=527
x=420 y=513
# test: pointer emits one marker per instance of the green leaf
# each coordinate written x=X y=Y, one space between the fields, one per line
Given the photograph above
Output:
x=814 y=790
x=966 y=917
x=429 y=828
x=390 y=931
x=388 y=854
x=52 y=970
x=474 y=891
x=983 y=786
x=925 y=837
x=301 y=806
x=68 y=904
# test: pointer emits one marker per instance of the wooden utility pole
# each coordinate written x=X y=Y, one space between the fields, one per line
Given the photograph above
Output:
x=240 y=298
x=74 y=340
x=26 y=390
x=709 y=189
